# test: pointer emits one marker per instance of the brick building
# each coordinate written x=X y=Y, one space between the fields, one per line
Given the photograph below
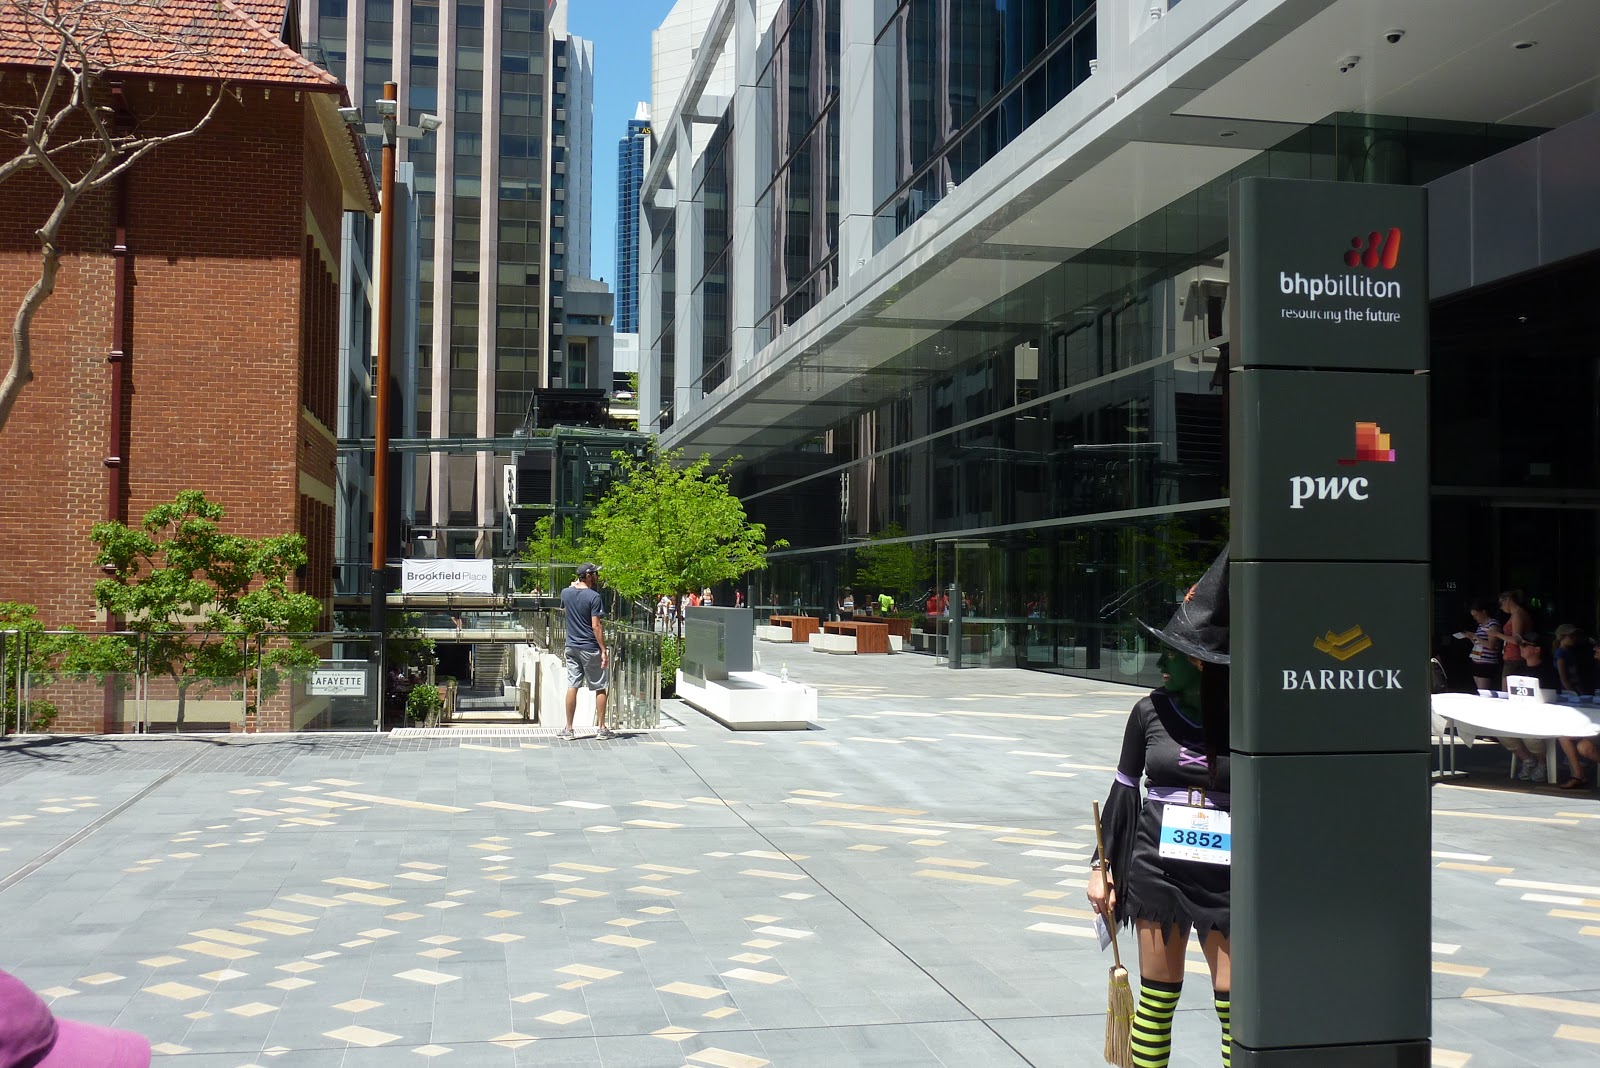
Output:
x=228 y=285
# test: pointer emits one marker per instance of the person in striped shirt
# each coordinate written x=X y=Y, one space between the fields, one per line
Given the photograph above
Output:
x=1486 y=640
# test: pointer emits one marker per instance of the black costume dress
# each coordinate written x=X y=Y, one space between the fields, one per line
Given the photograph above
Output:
x=1168 y=748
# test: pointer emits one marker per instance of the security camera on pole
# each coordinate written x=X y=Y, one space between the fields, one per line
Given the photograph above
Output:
x=392 y=131
x=1328 y=396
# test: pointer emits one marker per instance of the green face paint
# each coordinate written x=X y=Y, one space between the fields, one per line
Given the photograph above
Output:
x=1181 y=680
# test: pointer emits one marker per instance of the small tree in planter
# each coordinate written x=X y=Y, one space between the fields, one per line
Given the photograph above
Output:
x=424 y=703
x=201 y=598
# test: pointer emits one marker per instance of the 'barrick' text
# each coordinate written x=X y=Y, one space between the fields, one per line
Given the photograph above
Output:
x=1336 y=285
x=1342 y=679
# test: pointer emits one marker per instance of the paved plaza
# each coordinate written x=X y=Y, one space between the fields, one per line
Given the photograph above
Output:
x=902 y=887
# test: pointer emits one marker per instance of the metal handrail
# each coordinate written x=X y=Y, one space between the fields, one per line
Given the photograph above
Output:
x=634 y=695
x=27 y=663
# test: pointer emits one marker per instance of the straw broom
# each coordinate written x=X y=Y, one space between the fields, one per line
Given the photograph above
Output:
x=1119 y=998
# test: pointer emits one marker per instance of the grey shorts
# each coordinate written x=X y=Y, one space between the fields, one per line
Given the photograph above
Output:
x=583 y=669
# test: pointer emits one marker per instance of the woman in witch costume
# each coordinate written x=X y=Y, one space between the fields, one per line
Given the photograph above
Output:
x=1168 y=850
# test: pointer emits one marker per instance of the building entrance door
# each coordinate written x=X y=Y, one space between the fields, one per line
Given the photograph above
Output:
x=1482 y=546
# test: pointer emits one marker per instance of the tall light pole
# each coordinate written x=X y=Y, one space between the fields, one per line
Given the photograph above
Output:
x=388 y=116
x=392 y=131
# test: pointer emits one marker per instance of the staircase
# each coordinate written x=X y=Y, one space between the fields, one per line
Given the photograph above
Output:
x=486 y=700
x=490 y=662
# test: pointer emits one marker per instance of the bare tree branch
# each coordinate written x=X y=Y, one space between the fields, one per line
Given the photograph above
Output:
x=76 y=131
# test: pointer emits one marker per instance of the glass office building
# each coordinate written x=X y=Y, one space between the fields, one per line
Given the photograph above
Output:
x=502 y=193
x=978 y=342
x=632 y=149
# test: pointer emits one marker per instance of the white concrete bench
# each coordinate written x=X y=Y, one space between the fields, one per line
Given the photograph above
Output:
x=897 y=644
x=833 y=643
x=768 y=633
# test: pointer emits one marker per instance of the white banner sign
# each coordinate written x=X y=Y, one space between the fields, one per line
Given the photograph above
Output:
x=338 y=678
x=447 y=576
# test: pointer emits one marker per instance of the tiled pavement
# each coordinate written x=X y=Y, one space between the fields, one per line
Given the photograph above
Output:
x=903 y=887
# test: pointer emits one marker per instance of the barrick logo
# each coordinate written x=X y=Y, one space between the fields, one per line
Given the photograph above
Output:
x=1342 y=647
x=1372 y=446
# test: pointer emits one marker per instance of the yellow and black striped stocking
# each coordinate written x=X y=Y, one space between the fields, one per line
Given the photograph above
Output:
x=1224 y=1008
x=1152 y=1022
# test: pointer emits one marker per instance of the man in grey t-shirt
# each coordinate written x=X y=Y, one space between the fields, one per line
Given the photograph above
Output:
x=586 y=648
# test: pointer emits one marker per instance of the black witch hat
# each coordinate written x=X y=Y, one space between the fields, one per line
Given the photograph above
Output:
x=1199 y=628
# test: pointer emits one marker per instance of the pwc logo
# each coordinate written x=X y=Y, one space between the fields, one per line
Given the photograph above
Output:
x=1372 y=446
x=1382 y=250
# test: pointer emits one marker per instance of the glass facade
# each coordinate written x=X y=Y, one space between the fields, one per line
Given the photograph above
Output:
x=465 y=227
x=423 y=152
x=630 y=178
x=665 y=268
x=518 y=318
x=970 y=76
x=1515 y=419
x=377 y=64
x=332 y=26
x=555 y=280
x=711 y=287
x=1060 y=456
x=801 y=200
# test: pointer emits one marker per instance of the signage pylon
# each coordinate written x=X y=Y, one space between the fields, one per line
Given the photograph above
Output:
x=1331 y=952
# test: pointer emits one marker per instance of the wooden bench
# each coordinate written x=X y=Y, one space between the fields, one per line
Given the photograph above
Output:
x=899 y=626
x=801 y=627
x=870 y=637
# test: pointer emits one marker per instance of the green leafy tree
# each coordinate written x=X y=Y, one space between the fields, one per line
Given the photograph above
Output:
x=29 y=654
x=668 y=526
x=903 y=569
x=202 y=600
x=552 y=542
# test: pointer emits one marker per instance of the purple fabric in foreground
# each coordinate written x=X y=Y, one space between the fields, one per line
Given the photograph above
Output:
x=1183 y=795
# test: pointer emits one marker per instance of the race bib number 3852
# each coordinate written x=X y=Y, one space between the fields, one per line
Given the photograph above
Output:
x=1199 y=834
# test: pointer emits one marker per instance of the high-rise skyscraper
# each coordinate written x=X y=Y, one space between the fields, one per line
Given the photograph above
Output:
x=632 y=150
x=503 y=194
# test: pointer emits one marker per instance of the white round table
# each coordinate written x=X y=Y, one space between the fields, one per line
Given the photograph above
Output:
x=1496 y=717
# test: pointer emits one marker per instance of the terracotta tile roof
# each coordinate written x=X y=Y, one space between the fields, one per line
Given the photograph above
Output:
x=236 y=40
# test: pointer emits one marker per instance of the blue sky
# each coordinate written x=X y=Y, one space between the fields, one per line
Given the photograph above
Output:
x=620 y=30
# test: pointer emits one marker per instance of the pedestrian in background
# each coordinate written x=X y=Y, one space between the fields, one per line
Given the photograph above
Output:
x=1572 y=662
x=1486 y=638
x=586 y=656
x=1530 y=664
x=1518 y=622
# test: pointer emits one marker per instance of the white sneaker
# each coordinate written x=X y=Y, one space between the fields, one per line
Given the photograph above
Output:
x=1525 y=771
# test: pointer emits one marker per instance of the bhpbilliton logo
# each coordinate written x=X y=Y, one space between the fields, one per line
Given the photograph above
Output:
x=1382 y=250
